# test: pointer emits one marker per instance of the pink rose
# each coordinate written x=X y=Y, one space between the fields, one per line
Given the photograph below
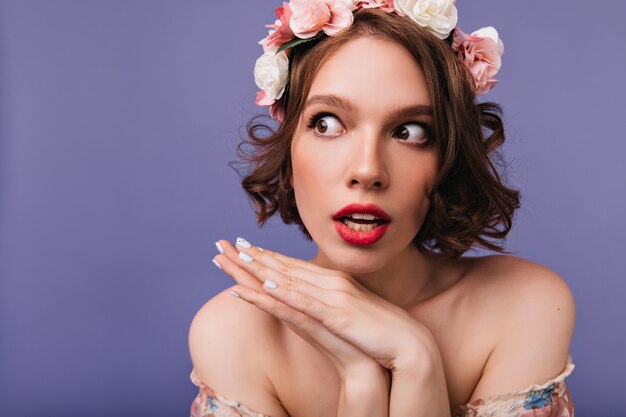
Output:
x=281 y=32
x=385 y=5
x=481 y=52
x=262 y=99
x=310 y=16
x=277 y=113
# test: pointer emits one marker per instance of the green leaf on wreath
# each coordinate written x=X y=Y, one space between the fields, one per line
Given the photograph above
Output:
x=292 y=43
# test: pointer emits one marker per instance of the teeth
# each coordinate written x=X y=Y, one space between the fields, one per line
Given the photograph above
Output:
x=360 y=227
x=361 y=216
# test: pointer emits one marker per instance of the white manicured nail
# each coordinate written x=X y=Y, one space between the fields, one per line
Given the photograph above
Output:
x=243 y=243
x=219 y=247
x=269 y=284
x=244 y=256
x=260 y=248
x=217 y=264
x=234 y=294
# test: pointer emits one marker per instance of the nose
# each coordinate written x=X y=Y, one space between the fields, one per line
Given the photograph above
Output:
x=367 y=168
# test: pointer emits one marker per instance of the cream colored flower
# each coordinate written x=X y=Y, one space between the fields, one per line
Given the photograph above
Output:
x=271 y=73
x=438 y=16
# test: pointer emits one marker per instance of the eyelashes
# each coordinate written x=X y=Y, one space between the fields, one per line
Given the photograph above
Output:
x=314 y=122
x=402 y=132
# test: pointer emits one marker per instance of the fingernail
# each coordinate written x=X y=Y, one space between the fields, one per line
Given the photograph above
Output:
x=269 y=284
x=244 y=256
x=243 y=243
x=219 y=247
x=260 y=248
x=234 y=294
x=217 y=264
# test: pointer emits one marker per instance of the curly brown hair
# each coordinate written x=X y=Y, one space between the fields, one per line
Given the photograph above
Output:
x=469 y=205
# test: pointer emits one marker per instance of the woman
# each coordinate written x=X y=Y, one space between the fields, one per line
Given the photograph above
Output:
x=383 y=157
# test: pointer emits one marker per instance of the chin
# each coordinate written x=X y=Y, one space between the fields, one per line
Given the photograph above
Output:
x=356 y=260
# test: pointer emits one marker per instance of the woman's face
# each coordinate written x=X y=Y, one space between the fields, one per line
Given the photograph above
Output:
x=364 y=138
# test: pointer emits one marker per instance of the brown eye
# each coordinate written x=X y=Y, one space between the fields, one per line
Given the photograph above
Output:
x=322 y=126
x=325 y=125
x=412 y=133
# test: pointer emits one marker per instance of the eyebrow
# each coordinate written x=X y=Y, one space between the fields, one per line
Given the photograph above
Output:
x=345 y=104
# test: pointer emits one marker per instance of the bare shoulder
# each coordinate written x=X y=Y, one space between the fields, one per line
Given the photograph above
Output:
x=534 y=311
x=516 y=284
x=230 y=343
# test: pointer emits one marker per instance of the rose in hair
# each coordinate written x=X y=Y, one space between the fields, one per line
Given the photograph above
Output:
x=270 y=74
x=438 y=16
x=385 y=5
x=281 y=32
x=482 y=53
x=310 y=16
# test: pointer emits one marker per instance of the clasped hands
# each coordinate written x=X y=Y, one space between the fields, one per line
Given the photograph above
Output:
x=355 y=328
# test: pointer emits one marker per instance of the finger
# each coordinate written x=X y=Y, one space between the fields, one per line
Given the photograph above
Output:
x=307 y=299
x=278 y=309
x=231 y=268
x=299 y=294
x=299 y=263
x=279 y=258
x=303 y=296
x=276 y=257
x=291 y=267
x=245 y=261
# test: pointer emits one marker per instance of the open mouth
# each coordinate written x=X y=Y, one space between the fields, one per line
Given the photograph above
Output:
x=361 y=224
x=358 y=223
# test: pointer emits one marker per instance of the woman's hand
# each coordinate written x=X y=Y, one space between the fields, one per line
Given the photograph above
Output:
x=331 y=310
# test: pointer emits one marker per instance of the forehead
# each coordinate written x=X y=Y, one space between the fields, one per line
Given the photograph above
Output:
x=373 y=73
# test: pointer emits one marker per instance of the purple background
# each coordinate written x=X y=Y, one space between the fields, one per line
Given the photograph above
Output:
x=117 y=119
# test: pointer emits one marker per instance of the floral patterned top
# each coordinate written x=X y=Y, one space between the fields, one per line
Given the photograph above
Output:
x=210 y=403
x=551 y=399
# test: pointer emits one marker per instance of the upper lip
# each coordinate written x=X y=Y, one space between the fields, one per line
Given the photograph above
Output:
x=362 y=208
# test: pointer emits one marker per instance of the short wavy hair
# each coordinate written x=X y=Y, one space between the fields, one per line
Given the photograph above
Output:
x=470 y=205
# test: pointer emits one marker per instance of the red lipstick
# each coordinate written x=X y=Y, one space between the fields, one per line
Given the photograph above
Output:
x=361 y=224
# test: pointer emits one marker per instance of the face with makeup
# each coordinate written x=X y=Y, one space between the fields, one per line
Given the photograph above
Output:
x=364 y=138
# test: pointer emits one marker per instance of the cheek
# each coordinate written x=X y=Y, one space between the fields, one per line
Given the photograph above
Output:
x=312 y=167
x=423 y=183
x=311 y=178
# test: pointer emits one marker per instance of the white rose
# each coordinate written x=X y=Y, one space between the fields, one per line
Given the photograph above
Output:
x=271 y=73
x=438 y=16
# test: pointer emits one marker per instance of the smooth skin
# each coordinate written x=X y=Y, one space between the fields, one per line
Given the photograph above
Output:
x=445 y=332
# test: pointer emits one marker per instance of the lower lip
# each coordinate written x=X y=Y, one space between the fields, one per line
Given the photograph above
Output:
x=360 y=238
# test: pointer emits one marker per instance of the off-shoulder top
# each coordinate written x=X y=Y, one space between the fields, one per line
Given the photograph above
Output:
x=551 y=399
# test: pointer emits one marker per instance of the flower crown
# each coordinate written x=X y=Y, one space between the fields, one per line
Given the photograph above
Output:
x=300 y=21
